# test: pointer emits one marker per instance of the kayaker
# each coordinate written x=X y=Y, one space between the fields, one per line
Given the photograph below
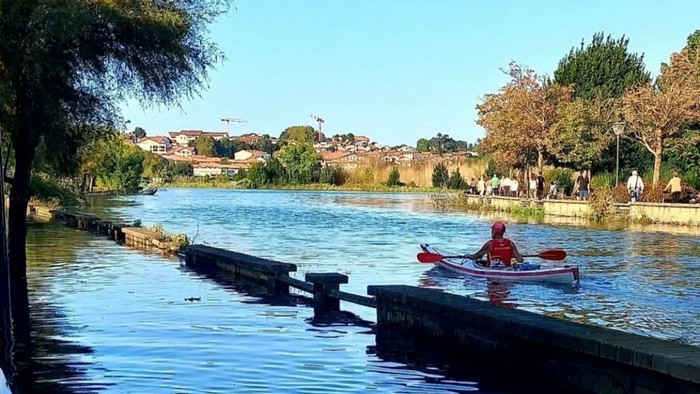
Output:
x=498 y=248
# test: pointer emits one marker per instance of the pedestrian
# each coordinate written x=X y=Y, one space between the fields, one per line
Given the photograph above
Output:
x=505 y=186
x=481 y=186
x=635 y=186
x=495 y=183
x=674 y=185
x=514 y=186
x=582 y=185
x=532 y=186
x=540 y=185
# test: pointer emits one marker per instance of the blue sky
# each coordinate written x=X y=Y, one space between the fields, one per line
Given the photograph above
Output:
x=397 y=70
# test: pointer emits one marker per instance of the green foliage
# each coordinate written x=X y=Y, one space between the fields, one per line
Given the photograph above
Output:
x=348 y=138
x=440 y=175
x=114 y=163
x=332 y=175
x=139 y=133
x=563 y=177
x=423 y=145
x=257 y=175
x=275 y=172
x=227 y=147
x=240 y=175
x=300 y=134
x=456 y=180
x=394 y=177
x=302 y=163
x=605 y=180
x=205 y=146
x=264 y=144
x=602 y=69
x=46 y=188
x=683 y=155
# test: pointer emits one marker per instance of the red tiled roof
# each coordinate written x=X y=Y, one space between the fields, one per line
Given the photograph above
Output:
x=330 y=156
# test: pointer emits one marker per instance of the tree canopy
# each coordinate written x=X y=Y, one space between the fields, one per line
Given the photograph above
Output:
x=602 y=69
x=301 y=134
x=205 y=146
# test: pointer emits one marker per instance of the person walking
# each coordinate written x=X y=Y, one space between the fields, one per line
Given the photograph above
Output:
x=532 y=186
x=582 y=185
x=481 y=186
x=635 y=186
x=540 y=186
x=495 y=183
x=674 y=185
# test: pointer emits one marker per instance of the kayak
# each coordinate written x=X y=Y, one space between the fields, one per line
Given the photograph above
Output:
x=553 y=273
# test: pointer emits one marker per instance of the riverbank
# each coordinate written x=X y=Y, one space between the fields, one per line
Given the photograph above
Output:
x=639 y=212
x=214 y=184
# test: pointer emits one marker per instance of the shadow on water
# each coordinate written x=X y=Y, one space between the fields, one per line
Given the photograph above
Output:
x=43 y=361
x=260 y=295
x=455 y=370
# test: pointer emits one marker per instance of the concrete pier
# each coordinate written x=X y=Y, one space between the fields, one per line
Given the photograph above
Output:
x=590 y=358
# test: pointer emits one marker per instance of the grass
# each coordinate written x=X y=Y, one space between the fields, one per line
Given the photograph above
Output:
x=364 y=187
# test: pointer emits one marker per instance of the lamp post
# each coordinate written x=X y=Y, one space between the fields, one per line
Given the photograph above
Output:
x=618 y=129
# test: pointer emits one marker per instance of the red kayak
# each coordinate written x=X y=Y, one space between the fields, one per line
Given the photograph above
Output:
x=553 y=273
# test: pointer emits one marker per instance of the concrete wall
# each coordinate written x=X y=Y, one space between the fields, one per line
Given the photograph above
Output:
x=572 y=356
x=569 y=208
x=666 y=213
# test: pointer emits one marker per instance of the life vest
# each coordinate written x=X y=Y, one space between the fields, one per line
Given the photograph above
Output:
x=501 y=249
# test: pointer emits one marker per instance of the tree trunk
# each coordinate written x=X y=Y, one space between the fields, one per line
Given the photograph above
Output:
x=540 y=159
x=657 y=165
x=17 y=229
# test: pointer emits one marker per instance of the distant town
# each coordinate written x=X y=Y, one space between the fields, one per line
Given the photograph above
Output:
x=230 y=154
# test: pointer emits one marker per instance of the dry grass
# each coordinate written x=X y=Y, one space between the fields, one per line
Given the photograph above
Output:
x=418 y=172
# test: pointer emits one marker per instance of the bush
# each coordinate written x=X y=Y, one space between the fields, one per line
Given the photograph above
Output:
x=239 y=175
x=653 y=193
x=222 y=178
x=620 y=194
x=440 y=175
x=332 y=175
x=456 y=181
x=603 y=180
x=601 y=204
x=394 y=177
x=49 y=191
x=564 y=179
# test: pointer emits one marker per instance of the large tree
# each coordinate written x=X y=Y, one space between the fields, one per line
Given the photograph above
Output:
x=659 y=111
x=301 y=134
x=602 y=69
x=205 y=146
x=582 y=133
x=519 y=118
x=66 y=64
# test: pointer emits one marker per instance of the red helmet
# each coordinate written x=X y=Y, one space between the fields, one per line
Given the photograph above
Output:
x=499 y=227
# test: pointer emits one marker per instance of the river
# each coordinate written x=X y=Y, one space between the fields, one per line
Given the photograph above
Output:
x=111 y=319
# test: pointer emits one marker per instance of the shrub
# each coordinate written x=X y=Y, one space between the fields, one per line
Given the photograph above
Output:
x=456 y=181
x=440 y=175
x=332 y=175
x=51 y=192
x=601 y=204
x=563 y=177
x=620 y=194
x=603 y=180
x=653 y=193
x=394 y=177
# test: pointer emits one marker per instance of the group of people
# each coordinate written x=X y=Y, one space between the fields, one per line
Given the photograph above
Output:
x=506 y=186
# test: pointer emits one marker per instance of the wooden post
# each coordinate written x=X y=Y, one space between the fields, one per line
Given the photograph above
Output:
x=323 y=283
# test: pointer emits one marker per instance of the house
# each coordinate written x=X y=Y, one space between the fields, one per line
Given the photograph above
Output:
x=249 y=139
x=344 y=159
x=181 y=151
x=184 y=137
x=157 y=144
x=213 y=168
x=251 y=154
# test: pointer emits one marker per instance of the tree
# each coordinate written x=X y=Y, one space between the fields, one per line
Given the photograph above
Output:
x=394 y=177
x=602 y=69
x=683 y=154
x=659 y=111
x=227 y=147
x=264 y=144
x=302 y=163
x=205 y=146
x=65 y=64
x=519 y=118
x=582 y=133
x=456 y=180
x=423 y=145
x=275 y=171
x=139 y=133
x=301 y=134
x=114 y=163
x=440 y=175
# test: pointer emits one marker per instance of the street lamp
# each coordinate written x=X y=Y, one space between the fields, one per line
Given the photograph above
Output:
x=618 y=129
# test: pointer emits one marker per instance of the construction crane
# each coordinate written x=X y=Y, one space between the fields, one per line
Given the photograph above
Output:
x=320 y=125
x=232 y=120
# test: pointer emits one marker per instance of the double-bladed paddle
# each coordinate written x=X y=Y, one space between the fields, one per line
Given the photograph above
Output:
x=551 y=254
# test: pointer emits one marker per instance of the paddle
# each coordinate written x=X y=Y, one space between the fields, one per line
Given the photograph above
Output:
x=551 y=254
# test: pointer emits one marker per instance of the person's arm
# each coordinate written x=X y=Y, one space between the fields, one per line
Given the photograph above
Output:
x=516 y=253
x=484 y=249
x=668 y=186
